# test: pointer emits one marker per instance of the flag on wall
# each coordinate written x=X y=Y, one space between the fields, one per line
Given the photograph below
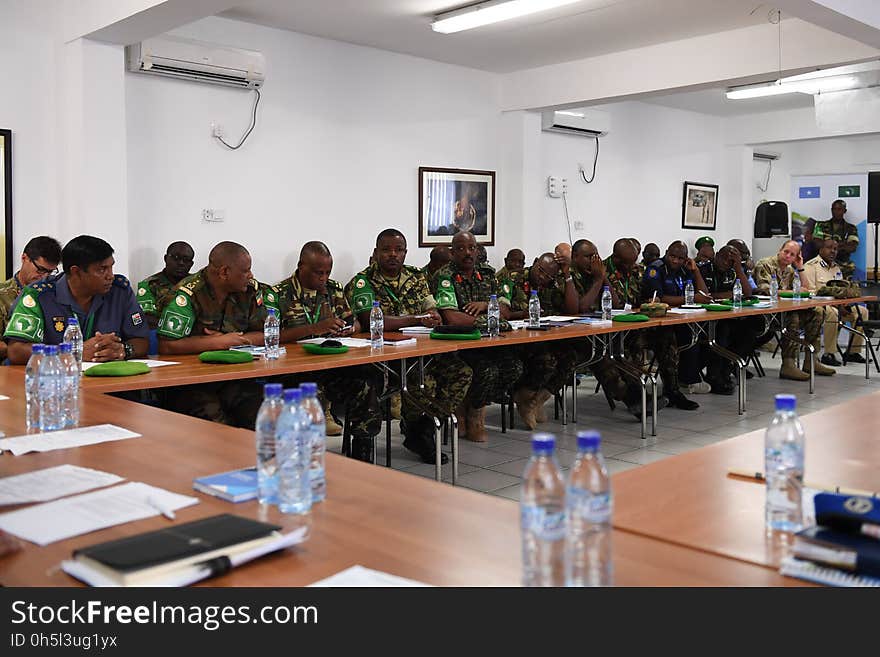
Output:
x=849 y=191
x=809 y=192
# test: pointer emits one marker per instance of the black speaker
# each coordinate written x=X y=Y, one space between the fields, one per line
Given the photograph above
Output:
x=771 y=218
x=874 y=197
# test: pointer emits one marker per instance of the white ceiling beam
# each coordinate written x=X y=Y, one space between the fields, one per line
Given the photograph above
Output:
x=739 y=56
x=855 y=19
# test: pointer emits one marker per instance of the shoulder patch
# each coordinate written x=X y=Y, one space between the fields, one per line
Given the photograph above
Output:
x=446 y=282
x=121 y=281
x=360 y=283
x=28 y=301
x=652 y=272
x=180 y=300
x=507 y=288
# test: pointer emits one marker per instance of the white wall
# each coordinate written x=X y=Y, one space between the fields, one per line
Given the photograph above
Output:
x=342 y=131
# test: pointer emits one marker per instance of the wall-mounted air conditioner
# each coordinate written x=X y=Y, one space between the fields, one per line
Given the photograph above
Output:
x=187 y=59
x=580 y=122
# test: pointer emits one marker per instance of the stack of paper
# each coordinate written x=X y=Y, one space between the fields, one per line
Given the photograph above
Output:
x=353 y=343
x=46 y=442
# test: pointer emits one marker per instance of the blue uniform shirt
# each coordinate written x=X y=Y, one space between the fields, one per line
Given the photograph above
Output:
x=665 y=283
x=41 y=312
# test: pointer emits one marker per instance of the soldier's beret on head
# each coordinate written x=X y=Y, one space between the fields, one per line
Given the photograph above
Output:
x=705 y=239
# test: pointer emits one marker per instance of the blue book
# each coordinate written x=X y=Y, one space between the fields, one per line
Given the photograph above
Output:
x=232 y=486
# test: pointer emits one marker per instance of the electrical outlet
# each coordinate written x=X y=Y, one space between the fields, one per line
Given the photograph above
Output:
x=578 y=225
x=556 y=186
x=216 y=130
x=212 y=215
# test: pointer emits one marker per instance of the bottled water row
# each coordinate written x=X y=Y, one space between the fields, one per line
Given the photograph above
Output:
x=291 y=441
x=566 y=528
x=51 y=382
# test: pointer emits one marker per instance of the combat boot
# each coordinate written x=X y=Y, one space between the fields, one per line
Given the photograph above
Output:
x=540 y=401
x=476 y=424
x=818 y=367
x=790 y=370
x=525 y=401
x=461 y=419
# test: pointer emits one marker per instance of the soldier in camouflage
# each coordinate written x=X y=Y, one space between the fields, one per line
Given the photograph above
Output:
x=39 y=259
x=153 y=291
x=403 y=295
x=311 y=304
x=218 y=307
x=440 y=255
x=462 y=289
x=514 y=264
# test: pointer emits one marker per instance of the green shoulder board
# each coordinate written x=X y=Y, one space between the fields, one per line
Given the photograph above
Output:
x=26 y=321
x=146 y=299
x=362 y=295
x=446 y=293
x=177 y=318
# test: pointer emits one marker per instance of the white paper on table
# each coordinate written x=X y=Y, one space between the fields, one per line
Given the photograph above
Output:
x=416 y=329
x=46 y=442
x=346 y=342
x=3 y=397
x=358 y=576
x=561 y=318
x=593 y=321
x=517 y=324
x=51 y=483
x=686 y=311
x=54 y=521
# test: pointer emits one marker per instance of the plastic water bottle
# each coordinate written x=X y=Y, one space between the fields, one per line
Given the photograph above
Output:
x=588 y=516
x=737 y=294
x=838 y=275
x=70 y=377
x=31 y=388
x=784 y=467
x=796 y=287
x=774 y=289
x=317 y=430
x=293 y=454
x=494 y=316
x=267 y=463
x=49 y=390
x=534 y=310
x=606 y=303
x=542 y=516
x=377 y=327
x=689 y=293
x=271 y=334
x=73 y=335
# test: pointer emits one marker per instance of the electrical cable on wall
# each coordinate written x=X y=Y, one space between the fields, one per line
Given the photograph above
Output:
x=567 y=219
x=595 y=162
x=249 y=130
x=767 y=183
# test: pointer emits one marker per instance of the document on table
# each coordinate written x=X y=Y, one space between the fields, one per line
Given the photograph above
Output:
x=416 y=329
x=354 y=343
x=54 y=521
x=146 y=361
x=3 y=397
x=686 y=311
x=51 y=483
x=561 y=318
x=358 y=576
x=46 y=442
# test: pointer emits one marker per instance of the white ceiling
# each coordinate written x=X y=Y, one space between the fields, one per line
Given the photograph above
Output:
x=584 y=29
x=713 y=101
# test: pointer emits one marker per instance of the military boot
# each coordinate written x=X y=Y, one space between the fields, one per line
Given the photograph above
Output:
x=818 y=367
x=540 y=410
x=526 y=401
x=476 y=424
x=790 y=370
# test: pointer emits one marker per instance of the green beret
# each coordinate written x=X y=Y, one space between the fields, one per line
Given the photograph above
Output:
x=472 y=335
x=788 y=294
x=717 y=306
x=312 y=348
x=225 y=356
x=631 y=317
x=705 y=239
x=117 y=368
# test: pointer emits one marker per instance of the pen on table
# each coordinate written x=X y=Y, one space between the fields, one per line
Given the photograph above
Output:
x=759 y=477
x=164 y=510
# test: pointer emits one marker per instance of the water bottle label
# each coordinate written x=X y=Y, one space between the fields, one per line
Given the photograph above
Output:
x=592 y=507
x=546 y=525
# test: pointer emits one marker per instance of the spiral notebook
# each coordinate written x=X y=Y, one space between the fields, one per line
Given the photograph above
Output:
x=829 y=576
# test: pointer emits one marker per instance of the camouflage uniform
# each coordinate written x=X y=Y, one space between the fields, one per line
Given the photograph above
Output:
x=547 y=365
x=355 y=389
x=844 y=232
x=9 y=291
x=806 y=320
x=448 y=377
x=152 y=292
x=190 y=309
x=495 y=370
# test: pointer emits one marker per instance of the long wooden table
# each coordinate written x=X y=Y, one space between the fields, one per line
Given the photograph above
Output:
x=691 y=501
x=387 y=520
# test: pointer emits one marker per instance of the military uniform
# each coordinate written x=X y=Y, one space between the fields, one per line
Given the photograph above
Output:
x=448 y=377
x=152 y=293
x=9 y=291
x=495 y=370
x=806 y=320
x=353 y=388
x=193 y=307
x=42 y=311
x=818 y=273
x=626 y=286
x=842 y=232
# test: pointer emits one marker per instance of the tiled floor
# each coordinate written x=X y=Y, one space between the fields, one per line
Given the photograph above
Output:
x=496 y=466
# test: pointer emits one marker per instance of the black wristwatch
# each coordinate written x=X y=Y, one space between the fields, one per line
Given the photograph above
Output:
x=129 y=350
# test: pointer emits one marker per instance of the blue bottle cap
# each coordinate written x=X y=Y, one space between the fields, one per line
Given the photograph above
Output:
x=309 y=388
x=65 y=348
x=606 y=287
x=588 y=440
x=270 y=310
x=292 y=395
x=50 y=349
x=72 y=321
x=272 y=389
x=786 y=402
x=534 y=293
x=38 y=348
x=493 y=296
x=375 y=304
x=543 y=443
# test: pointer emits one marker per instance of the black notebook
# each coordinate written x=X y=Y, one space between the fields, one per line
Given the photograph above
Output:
x=140 y=558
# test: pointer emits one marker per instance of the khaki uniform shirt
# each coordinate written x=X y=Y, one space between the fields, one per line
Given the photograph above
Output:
x=406 y=295
x=764 y=270
x=818 y=272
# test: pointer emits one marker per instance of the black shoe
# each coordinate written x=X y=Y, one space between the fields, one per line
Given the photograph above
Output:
x=635 y=407
x=420 y=440
x=678 y=400
x=719 y=388
x=855 y=358
x=362 y=449
x=749 y=374
x=831 y=360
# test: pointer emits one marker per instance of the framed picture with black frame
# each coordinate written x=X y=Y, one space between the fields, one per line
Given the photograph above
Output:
x=6 y=264
x=699 y=206
x=453 y=201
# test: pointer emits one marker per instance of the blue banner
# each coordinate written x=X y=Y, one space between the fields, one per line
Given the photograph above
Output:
x=809 y=192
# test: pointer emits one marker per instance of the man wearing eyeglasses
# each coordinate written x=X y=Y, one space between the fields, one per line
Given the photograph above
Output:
x=152 y=292
x=40 y=259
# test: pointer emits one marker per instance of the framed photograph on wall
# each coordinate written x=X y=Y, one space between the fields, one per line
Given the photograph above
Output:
x=453 y=201
x=699 y=206
x=6 y=256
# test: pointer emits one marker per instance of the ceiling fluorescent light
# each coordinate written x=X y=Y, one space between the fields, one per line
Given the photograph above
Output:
x=494 y=11
x=799 y=85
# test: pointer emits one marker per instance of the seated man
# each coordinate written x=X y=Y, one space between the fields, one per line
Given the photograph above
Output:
x=650 y=254
x=514 y=263
x=218 y=307
x=39 y=259
x=403 y=295
x=705 y=246
x=547 y=365
x=112 y=324
x=841 y=231
x=154 y=290
x=440 y=255
x=585 y=279
x=748 y=265
x=817 y=272
x=784 y=266
x=462 y=289
x=314 y=305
